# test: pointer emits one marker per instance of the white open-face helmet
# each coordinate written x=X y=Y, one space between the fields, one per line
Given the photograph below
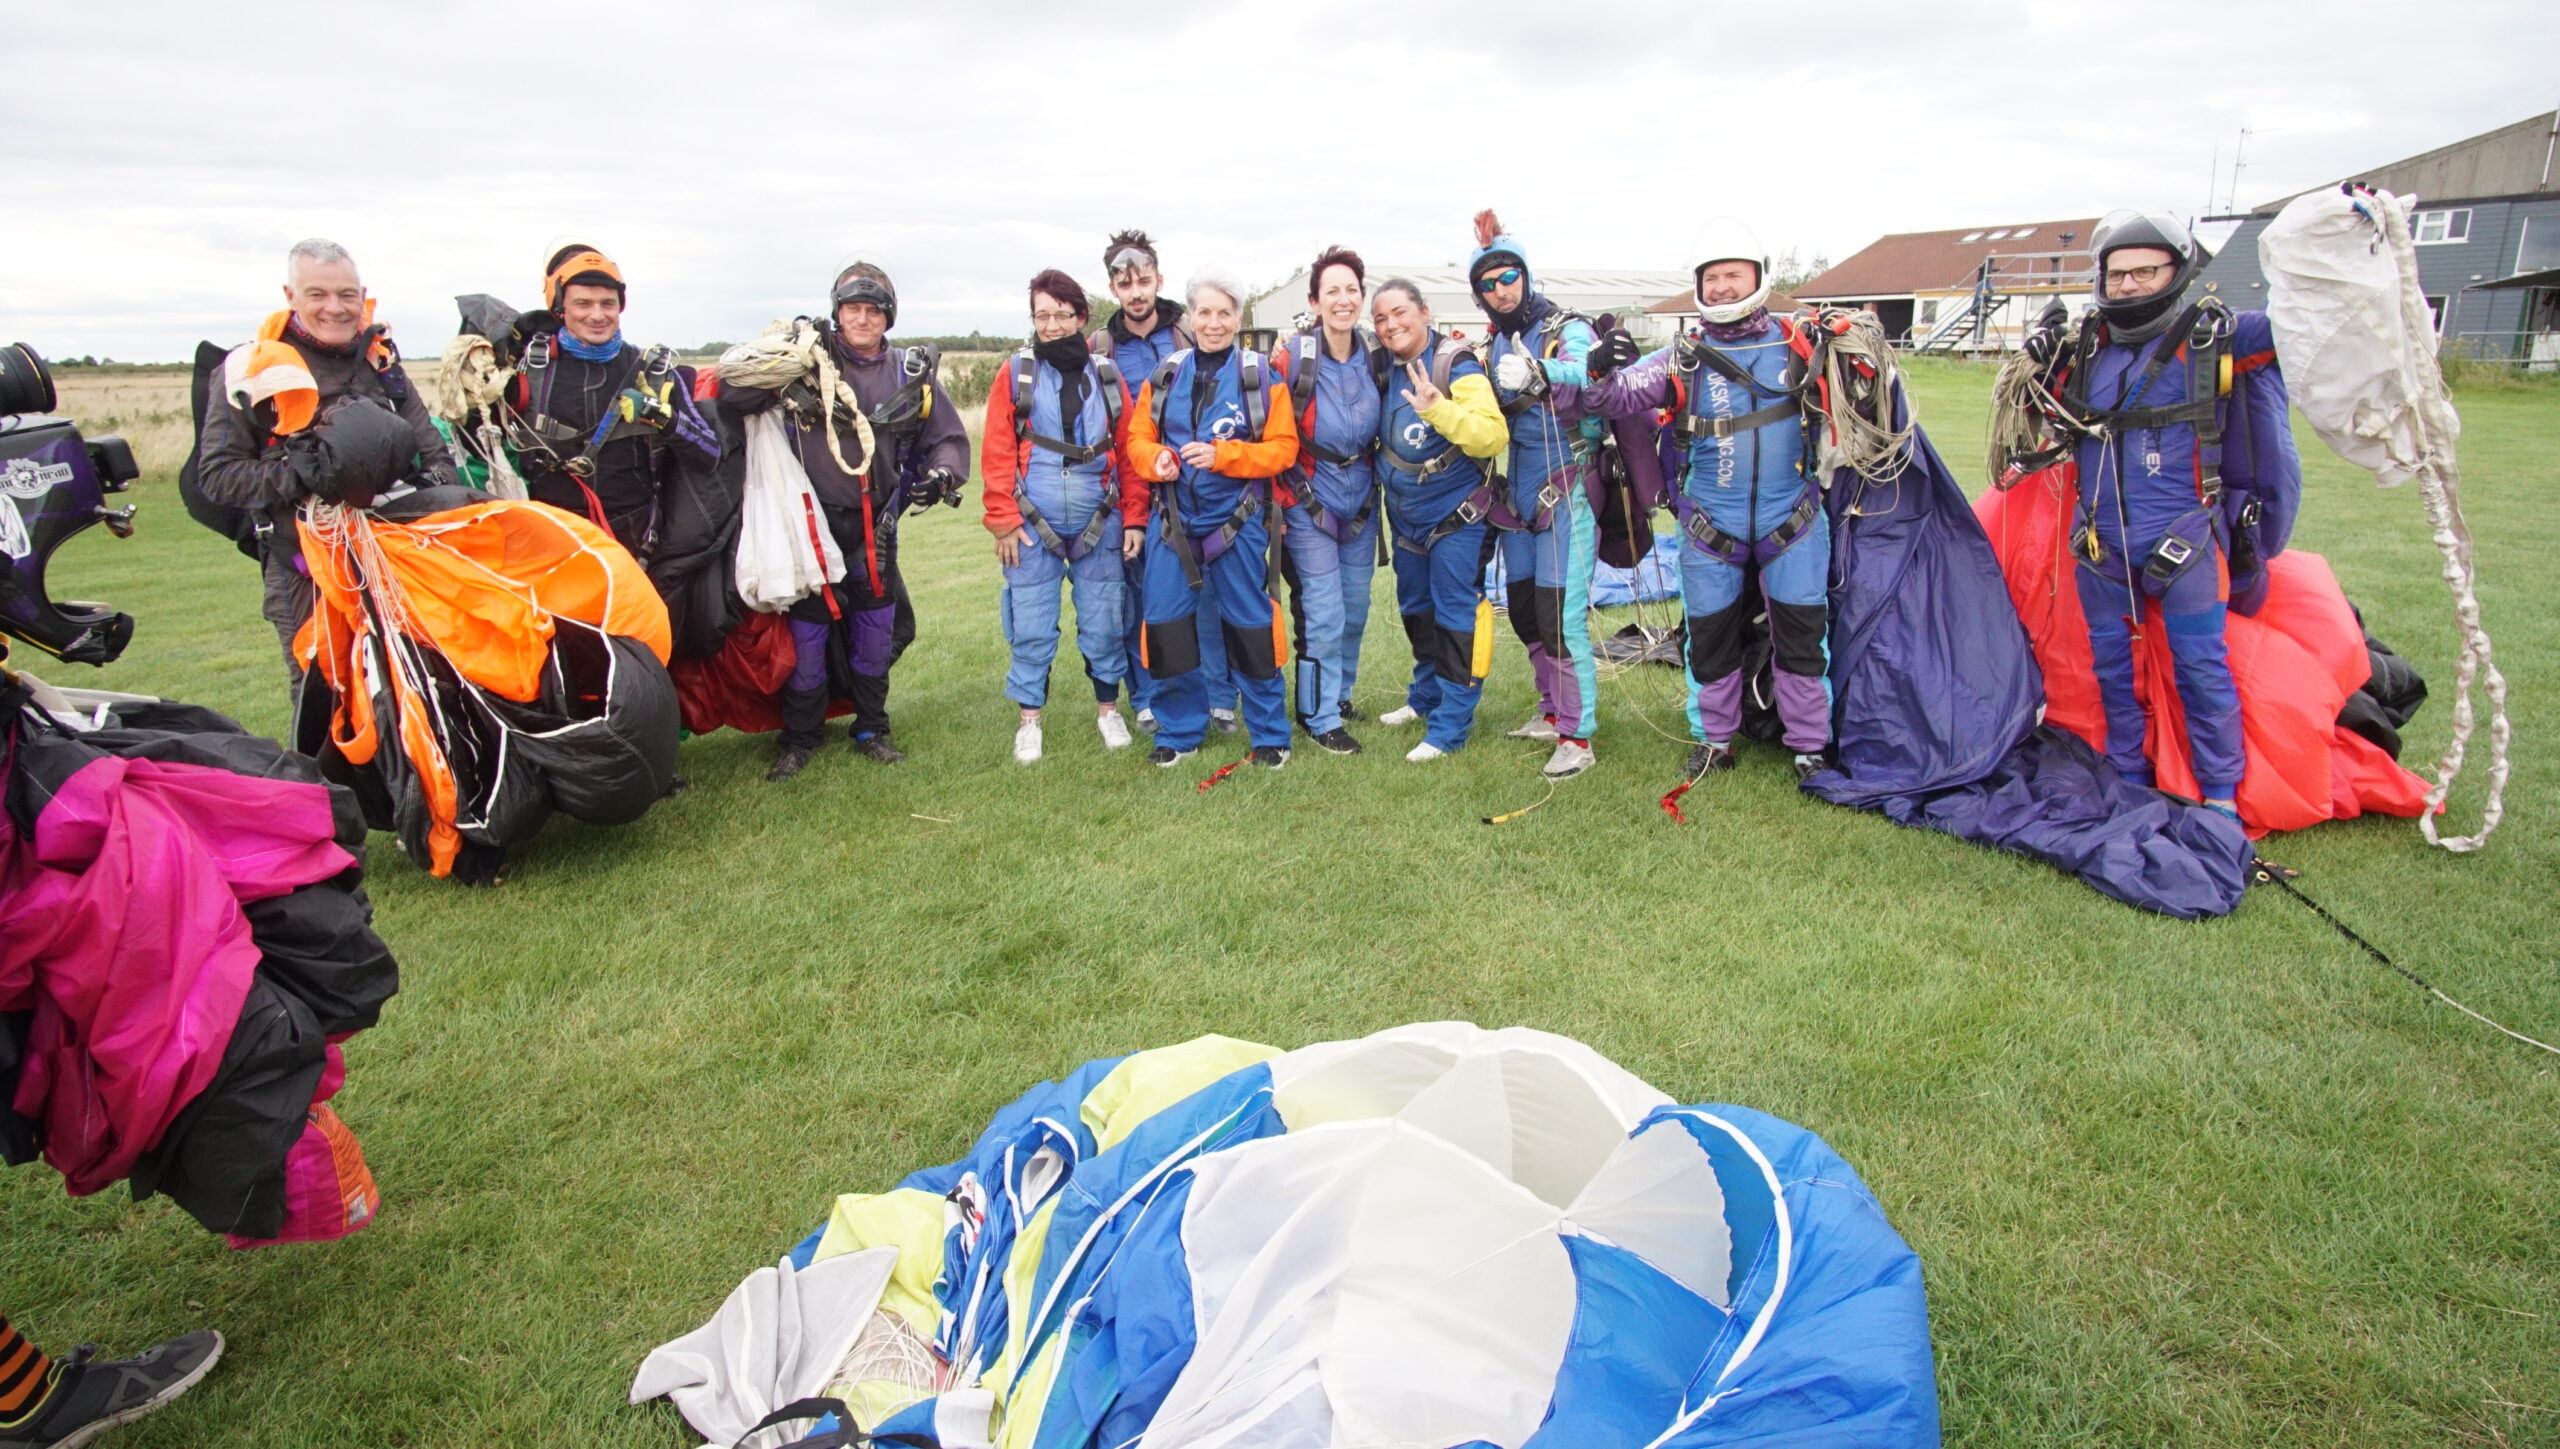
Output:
x=1727 y=240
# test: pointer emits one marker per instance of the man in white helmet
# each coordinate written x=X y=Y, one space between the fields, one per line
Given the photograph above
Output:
x=1745 y=492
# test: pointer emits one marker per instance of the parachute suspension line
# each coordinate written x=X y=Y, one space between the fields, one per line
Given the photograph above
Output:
x=2440 y=485
x=2264 y=872
x=790 y=352
x=1859 y=386
x=1509 y=816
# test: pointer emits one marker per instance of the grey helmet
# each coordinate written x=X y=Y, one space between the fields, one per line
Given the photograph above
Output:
x=2122 y=229
x=863 y=282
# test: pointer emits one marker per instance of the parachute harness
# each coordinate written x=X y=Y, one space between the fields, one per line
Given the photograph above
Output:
x=2440 y=485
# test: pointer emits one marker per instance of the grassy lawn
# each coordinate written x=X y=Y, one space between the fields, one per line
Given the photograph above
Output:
x=2218 y=1183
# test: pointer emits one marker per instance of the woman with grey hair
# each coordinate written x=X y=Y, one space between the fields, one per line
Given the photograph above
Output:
x=1209 y=432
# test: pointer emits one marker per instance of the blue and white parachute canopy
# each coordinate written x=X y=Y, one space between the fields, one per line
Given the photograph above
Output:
x=1437 y=1235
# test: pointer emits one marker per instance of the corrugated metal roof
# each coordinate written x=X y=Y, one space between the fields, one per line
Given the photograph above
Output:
x=2514 y=160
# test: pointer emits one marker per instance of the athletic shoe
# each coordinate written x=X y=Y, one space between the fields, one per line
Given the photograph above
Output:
x=88 y=1398
x=1570 y=759
x=1026 y=743
x=1147 y=720
x=1115 y=730
x=676 y=785
x=1708 y=758
x=1224 y=719
x=1168 y=755
x=879 y=747
x=1807 y=766
x=1538 y=728
x=790 y=762
x=1351 y=714
x=1270 y=757
x=1339 y=741
x=1424 y=751
x=1403 y=714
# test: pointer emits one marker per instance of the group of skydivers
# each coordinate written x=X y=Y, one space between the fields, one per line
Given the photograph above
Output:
x=1172 y=480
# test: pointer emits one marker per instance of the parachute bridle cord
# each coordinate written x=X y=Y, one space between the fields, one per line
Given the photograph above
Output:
x=1508 y=817
x=1854 y=388
x=2440 y=485
x=2266 y=872
x=1219 y=776
x=1671 y=802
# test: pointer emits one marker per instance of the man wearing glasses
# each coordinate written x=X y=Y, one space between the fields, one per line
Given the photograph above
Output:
x=2188 y=479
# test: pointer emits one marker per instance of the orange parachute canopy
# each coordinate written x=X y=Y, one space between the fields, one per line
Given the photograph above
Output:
x=480 y=585
x=2294 y=663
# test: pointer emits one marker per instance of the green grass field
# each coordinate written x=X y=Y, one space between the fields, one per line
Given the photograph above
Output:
x=2224 y=1183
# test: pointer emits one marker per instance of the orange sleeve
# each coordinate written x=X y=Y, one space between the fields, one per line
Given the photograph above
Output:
x=1124 y=477
x=1276 y=451
x=1000 y=462
x=1140 y=453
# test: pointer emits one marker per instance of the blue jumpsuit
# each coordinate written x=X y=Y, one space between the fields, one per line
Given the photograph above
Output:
x=1437 y=581
x=1138 y=358
x=1744 y=488
x=1548 y=560
x=2136 y=489
x=1066 y=495
x=1233 y=601
x=1332 y=537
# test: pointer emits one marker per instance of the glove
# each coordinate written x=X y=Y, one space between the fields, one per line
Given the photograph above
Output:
x=940 y=485
x=801 y=400
x=355 y=452
x=1614 y=350
x=647 y=402
x=521 y=332
x=1514 y=373
x=2044 y=341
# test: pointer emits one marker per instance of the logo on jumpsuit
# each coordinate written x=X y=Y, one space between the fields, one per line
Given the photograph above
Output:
x=1225 y=429
x=1416 y=433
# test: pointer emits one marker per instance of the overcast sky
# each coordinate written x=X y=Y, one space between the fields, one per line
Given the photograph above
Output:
x=730 y=155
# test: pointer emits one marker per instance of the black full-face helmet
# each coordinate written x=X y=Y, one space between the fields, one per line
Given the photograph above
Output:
x=2126 y=229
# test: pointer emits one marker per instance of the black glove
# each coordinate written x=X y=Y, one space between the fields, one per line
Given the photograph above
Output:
x=1614 y=350
x=356 y=451
x=802 y=402
x=939 y=485
x=520 y=335
x=2044 y=338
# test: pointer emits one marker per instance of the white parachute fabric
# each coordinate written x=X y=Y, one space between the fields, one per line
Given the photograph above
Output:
x=2358 y=345
x=786 y=552
x=778 y=1338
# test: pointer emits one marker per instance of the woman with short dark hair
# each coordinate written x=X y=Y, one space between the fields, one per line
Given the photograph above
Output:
x=1332 y=538
x=1050 y=458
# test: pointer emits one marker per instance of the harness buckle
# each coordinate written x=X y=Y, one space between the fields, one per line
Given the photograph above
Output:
x=2169 y=558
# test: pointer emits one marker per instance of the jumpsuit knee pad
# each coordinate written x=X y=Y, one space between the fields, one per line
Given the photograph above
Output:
x=1523 y=599
x=1173 y=647
x=1453 y=656
x=1249 y=652
x=1424 y=634
x=1715 y=644
x=1796 y=638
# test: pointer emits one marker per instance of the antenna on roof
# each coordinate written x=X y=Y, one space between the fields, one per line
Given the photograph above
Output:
x=2238 y=165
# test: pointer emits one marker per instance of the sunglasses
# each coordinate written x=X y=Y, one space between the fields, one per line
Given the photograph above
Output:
x=1503 y=278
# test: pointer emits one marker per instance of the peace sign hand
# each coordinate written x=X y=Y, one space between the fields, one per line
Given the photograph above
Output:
x=1421 y=396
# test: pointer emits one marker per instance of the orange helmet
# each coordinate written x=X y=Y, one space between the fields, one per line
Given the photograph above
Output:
x=579 y=262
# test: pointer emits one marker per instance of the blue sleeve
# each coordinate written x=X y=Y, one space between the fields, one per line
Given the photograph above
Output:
x=1566 y=368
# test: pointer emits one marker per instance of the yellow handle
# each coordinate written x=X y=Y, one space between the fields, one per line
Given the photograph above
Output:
x=1480 y=662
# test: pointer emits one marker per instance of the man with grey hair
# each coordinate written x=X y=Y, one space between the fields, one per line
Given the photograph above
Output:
x=346 y=425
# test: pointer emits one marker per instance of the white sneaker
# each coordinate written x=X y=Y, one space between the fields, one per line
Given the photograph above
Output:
x=1538 y=728
x=1403 y=714
x=1424 y=751
x=1568 y=761
x=1147 y=720
x=1115 y=730
x=1224 y=719
x=1026 y=743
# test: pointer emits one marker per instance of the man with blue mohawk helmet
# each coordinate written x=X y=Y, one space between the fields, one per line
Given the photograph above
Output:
x=1549 y=537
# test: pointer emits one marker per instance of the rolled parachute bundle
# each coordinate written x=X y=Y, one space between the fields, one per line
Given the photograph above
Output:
x=786 y=552
x=469 y=389
x=1434 y=1235
x=2358 y=343
x=473 y=665
x=188 y=944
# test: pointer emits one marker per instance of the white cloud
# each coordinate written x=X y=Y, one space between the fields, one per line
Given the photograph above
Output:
x=732 y=156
